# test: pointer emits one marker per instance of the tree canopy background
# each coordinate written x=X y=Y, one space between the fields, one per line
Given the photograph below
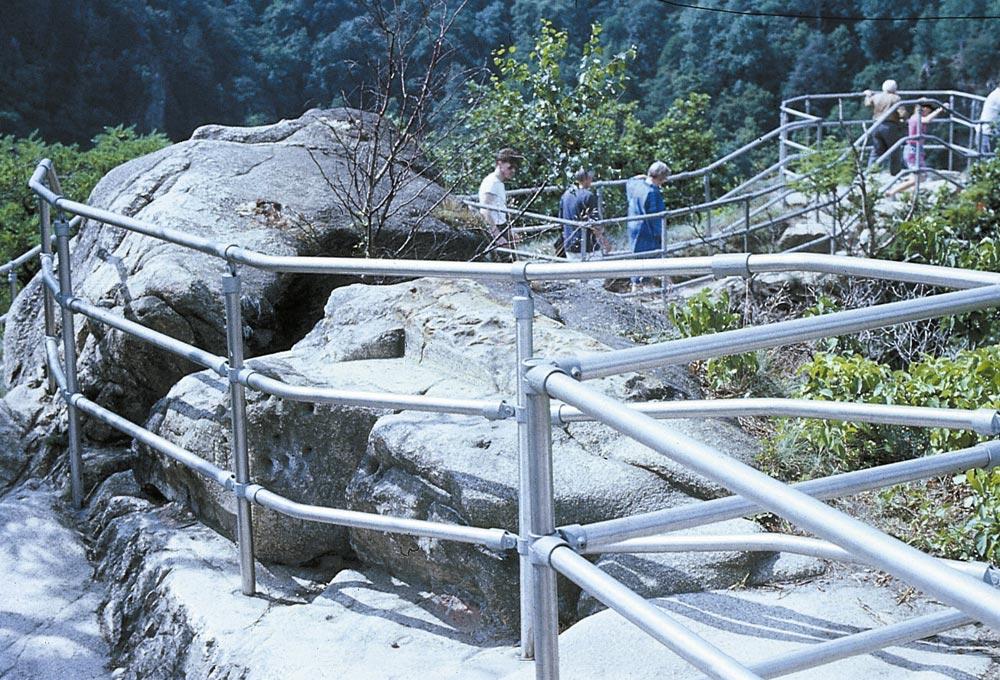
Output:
x=72 y=67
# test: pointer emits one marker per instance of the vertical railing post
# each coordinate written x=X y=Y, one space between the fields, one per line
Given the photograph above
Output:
x=951 y=132
x=69 y=354
x=708 y=199
x=238 y=412
x=542 y=524
x=782 y=146
x=524 y=314
x=840 y=112
x=746 y=226
x=45 y=213
x=12 y=285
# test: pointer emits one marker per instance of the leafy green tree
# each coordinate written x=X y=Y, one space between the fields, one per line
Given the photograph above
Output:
x=560 y=121
x=79 y=171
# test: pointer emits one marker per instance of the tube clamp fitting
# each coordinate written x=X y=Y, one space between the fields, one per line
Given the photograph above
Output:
x=992 y=576
x=575 y=536
x=542 y=547
x=61 y=228
x=519 y=272
x=230 y=284
x=737 y=264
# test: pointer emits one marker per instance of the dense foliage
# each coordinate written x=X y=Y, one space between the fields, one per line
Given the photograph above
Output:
x=73 y=66
x=79 y=171
x=563 y=116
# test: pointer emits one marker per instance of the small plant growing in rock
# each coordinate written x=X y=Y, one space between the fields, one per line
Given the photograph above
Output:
x=703 y=314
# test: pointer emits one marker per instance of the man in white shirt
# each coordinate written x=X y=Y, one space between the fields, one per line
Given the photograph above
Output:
x=990 y=117
x=492 y=192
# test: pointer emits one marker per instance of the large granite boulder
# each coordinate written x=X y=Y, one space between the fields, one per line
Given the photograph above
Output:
x=269 y=189
x=464 y=471
x=430 y=337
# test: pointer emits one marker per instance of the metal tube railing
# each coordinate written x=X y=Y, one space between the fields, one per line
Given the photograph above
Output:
x=646 y=616
x=541 y=523
x=524 y=314
x=494 y=539
x=542 y=549
x=597 y=365
x=983 y=421
x=982 y=456
x=926 y=573
x=861 y=643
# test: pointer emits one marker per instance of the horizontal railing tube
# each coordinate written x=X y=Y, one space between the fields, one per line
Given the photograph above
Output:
x=916 y=568
x=21 y=260
x=164 y=342
x=648 y=617
x=983 y=421
x=864 y=642
x=494 y=539
x=597 y=365
x=765 y=542
x=141 y=434
x=981 y=456
x=492 y=409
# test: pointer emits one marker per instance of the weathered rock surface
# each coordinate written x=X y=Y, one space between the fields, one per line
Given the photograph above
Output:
x=174 y=609
x=662 y=574
x=265 y=189
x=48 y=600
x=173 y=596
x=422 y=337
x=755 y=625
x=805 y=231
x=462 y=470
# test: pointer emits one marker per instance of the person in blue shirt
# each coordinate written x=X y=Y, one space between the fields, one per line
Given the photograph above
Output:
x=579 y=203
x=645 y=197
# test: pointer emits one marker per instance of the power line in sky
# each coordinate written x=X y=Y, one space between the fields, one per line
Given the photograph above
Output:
x=828 y=17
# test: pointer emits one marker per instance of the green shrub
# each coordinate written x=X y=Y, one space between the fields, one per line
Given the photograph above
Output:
x=79 y=171
x=809 y=448
x=702 y=314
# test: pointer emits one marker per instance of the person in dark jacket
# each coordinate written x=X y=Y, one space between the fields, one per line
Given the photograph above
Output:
x=579 y=203
x=645 y=197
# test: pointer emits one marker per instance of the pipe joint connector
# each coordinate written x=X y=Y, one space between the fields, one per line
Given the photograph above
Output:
x=61 y=228
x=247 y=491
x=737 y=264
x=992 y=576
x=501 y=411
x=536 y=373
x=575 y=536
x=570 y=367
x=519 y=272
x=542 y=548
x=230 y=284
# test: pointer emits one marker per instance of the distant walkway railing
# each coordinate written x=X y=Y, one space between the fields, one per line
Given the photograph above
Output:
x=764 y=193
x=543 y=548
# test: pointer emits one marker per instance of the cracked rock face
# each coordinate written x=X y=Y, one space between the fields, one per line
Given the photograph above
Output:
x=266 y=189
x=444 y=339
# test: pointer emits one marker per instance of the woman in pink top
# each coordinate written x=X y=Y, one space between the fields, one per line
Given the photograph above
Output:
x=913 y=153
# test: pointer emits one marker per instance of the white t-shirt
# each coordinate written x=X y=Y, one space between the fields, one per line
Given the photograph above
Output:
x=991 y=107
x=492 y=184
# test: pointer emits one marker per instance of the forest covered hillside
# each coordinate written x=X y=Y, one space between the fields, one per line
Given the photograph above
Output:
x=73 y=67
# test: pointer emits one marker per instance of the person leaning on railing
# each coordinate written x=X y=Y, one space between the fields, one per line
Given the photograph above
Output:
x=579 y=204
x=888 y=131
x=493 y=192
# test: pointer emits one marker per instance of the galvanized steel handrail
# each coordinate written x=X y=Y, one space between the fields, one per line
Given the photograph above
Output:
x=545 y=548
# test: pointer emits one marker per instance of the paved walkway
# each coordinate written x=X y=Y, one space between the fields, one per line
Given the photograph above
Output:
x=48 y=603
